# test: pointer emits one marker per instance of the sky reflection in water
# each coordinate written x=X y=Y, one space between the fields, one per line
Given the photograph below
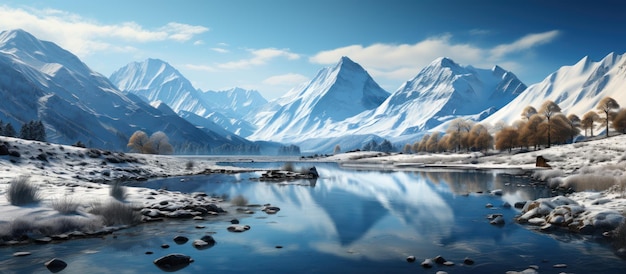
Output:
x=365 y=221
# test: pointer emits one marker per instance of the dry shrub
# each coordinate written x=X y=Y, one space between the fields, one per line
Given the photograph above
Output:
x=590 y=182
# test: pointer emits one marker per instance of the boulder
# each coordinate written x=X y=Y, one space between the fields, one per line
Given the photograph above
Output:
x=4 y=150
x=173 y=262
x=542 y=162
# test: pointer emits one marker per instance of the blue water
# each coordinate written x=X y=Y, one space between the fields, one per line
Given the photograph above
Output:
x=346 y=221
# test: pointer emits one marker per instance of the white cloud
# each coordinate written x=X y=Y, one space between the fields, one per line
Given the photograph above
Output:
x=220 y=50
x=198 y=43
x=524 y=43
x=199 y=67
x=289 y=79
x=403 y=61
x=83 y=36
x=260 y=57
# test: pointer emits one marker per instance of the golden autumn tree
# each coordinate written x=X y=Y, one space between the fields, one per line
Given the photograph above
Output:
x=606 y=106
x=588 y=121
x=139 y=142
x=548 y=109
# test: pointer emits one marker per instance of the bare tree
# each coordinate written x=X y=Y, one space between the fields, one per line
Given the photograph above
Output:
x=433 y=142
x=619 y=121
x=574 y=124
x=458 y=130
x=588 y=120
x=507 y=138
x=160 y=143
x=480 y=138
x=528 y=112
x=139 y=142
x=416 y=147
x=406 y=149
x=549 y=109
x=606 y=105
x=423 y=145
x=530 y=132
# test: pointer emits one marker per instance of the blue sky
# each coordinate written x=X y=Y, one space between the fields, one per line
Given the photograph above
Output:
x=274 y=45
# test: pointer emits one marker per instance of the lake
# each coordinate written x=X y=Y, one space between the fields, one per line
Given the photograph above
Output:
x=346 y=221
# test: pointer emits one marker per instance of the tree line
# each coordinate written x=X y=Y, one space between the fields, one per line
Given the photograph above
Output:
x=549 y=126
x=33 y=130
x=545 y=126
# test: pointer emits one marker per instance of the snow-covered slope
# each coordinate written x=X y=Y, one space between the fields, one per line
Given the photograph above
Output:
x=41 y=81
x=576 y=89
x=336 y=93
x=236 y=102
x=231 y=107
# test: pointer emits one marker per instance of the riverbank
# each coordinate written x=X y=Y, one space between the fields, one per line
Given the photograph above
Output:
x=84 y=177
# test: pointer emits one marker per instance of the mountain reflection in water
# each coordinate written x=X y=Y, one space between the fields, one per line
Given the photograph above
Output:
x=346 y=221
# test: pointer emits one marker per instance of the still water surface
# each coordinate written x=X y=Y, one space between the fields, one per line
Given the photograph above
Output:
x=346 y=221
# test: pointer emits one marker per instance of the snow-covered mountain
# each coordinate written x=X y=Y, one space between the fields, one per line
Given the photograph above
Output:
x=156 y=80
x=236 y=102
x=41 y=81
x=440 y=92
x=576 y=89
x=335 y=94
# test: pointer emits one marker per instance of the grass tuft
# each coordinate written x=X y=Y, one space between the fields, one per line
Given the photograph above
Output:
x=116 y=213
x=22 y=192
x=118 y=191
x=65 y=205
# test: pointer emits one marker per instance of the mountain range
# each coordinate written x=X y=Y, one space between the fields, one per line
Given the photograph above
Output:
x=41 y=81
x=341 y=105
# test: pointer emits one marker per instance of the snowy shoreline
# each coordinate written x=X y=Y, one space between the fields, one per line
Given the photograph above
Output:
x=85 y=175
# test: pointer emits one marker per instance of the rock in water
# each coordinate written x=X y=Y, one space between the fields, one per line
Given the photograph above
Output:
x=427 y=263
x=410 y=259
x=313 y=172
x=173 y=262
x=180 y=239
x=55 y=265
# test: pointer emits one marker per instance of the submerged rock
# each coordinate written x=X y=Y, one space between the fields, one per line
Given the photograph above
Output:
x=173 y=262
x=55 y=265
x=180 y=239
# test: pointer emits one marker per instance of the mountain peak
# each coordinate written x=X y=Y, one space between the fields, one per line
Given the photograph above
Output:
x=17 y=36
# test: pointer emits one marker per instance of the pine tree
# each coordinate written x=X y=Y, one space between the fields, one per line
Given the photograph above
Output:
x=9 y=131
